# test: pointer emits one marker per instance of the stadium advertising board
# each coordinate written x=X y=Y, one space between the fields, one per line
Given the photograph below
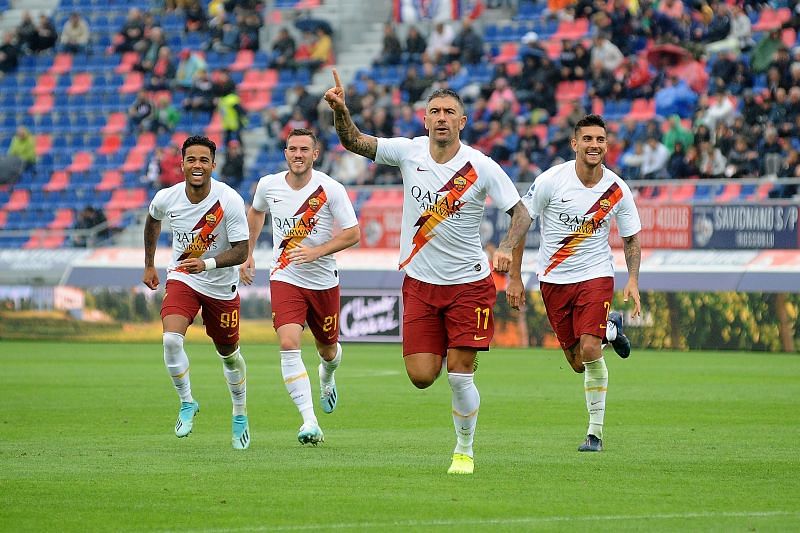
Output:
x=380 y=225
x=663 y=226
x=745 y=227
x=370 y=316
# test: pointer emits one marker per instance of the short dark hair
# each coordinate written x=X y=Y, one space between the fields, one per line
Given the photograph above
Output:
x=302 y=132
x=202 y=140
x=589 y=120
x=447 y=93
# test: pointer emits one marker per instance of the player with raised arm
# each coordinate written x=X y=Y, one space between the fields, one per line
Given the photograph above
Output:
x=576 y=201
x=448 y=292
x=209 y=238
x=305 y=205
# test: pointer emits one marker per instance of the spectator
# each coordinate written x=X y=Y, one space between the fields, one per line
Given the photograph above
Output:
x=677 y=134
x=790 y=168
x=439 y=43
x=283 y=50
x=150 y=48
x=139 y=113
x=632 y=161
x=170 y=172
x=742 y=160
x=233 y=168
x=683 y=162
x=502 y=93
x=301 y=98
x=93 y=226
x=321 y=49
x=415 y=85
x=190 y=63
x=9 y=54
x=46 y=34
x=606 y=53
x=196 y=19
x=75 y=35
x=200 y=97
x=23 y=147
x=415 y=45
x=224 y=34
x=165 y=116
x=348 y=167
x=467 y=46
x=719 y=111
x=712 y=162
x=391 y=51
x=249 y=30
x=770 y=152
x=27 y=35
x=656 y=157
x=162 y=76
x=131 y=33
x=764 y=51
x=407 y=124
x=234 y=117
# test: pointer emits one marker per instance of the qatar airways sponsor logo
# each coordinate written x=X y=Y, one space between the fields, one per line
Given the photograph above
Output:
x=295 y=226
x=582 y=225
x=436 y=202
x=195 y=242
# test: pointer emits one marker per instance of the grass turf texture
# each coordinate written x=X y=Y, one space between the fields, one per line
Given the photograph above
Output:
x=697 y=441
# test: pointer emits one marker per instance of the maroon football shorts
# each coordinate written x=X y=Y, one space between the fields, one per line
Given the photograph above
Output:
x=220 y=317
x=295 y=305
x=576 y=309
x=438 y=317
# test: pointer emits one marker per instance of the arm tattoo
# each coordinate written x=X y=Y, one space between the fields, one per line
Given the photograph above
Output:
x=518 y=229
x=633 y=255
x=352 y=138
x=152 y=228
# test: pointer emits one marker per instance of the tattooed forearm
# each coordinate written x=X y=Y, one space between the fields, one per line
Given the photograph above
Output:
x=152 y=228
x=633 y=255
x=518 y=229
x=351 y=137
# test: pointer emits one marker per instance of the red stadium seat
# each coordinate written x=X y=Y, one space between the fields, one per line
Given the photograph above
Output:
x=642 y=109
x=44 y=142
x=135 y=162
x=771 y=19
x=126 y=63
x=45 y=84
x=116 y=123
x=146 y=142
x=62 y=64
x=244 y=60
x=729 y=192
x=64 y=219
x=81 y=83
x=571 y=90
x=134 y=81
x=256 y=100
x=682 y=193
x=127 y=199
x=19 y=199
x=59 y=180
x=81 y=162
x=110 y=145
x=571 y=30
x=112 y=179
x=508 y=52
x=3 y=218
x=42 y=105
x=45 y=239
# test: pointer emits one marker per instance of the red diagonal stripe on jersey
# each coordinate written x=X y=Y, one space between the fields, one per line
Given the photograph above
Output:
x=455 y=187
x=568 y=245
x=302 y=227
x=202 y=238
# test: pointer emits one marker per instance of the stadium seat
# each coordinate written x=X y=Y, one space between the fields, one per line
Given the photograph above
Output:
x=110 y=145
x=729 y=193
x=571 y=90
x=19 y=199
x=508 y=52
x=112 y=179
x=126 y=63
x=244 y=60
x=43 y=104
x=81 y=83
x=3 y=218
x=81 y=162
x=45 y=84
x=64 y=219
x=256 y=100
x=127 y=199
x=44 y=142
x=571 y=30
x=134 y=82
x=45 y=239
x=62 y=64
x=771 y=19
x=116 y=123
x=59 y=180
x=135 y=161
x=642 y=109
x=682 y=193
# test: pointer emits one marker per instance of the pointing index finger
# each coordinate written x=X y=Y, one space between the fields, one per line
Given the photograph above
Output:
x=336 y=79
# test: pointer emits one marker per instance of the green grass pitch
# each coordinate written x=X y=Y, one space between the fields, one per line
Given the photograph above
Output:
x=694 y=441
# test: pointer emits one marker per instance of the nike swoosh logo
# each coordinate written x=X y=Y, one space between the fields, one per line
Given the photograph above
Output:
x=566 y=200
x=593 y=403
x=275 y=200
x=422 y=169
x=172 y=215
x=475 y=337
x=602 y=326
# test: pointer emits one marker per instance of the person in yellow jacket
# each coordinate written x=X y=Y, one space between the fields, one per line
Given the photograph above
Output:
x=23 y=147
x=233 y=116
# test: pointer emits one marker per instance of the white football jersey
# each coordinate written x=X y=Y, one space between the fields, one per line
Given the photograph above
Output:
x=443 y=208
x=203 y=230
x=576 y=223
x=304 y=216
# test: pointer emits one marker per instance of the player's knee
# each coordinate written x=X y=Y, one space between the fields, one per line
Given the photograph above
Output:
x=577 y=366
x=420 y=381
x=173 y=343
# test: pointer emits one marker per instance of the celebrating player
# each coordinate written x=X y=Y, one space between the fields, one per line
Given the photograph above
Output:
x=448 y=292
x=577 y=201
x=209 y=238
x=305 y=204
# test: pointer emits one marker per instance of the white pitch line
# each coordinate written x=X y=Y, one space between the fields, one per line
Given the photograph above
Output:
x=502 y=521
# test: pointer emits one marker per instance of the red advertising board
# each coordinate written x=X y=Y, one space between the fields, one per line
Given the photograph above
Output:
x=380 y=225
x=663 y=226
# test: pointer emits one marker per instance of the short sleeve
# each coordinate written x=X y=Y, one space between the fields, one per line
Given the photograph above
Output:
x=157 y=208
x=391 y=151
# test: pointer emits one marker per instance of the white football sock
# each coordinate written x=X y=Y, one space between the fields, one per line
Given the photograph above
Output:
x=595 y=384
x=235 y=370
x=177 y=365
x=329 y=367
x=297 y=383
x=466 y=402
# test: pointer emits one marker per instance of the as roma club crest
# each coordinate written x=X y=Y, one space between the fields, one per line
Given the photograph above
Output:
x=314 y=203
x=605 y=205
x=211 y=219
x=459 y=182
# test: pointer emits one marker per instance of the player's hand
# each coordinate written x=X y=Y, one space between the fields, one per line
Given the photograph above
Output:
x=302 y=254
x=193 y=265
x=515 y=293
x=247 y=271
x=150 y=277
x=631 y=290
x=501 y=260
x=335 y=95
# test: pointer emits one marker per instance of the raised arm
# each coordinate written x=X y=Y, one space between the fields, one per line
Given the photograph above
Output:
x=349 y=135
x=152 y=228
x=633 y=258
